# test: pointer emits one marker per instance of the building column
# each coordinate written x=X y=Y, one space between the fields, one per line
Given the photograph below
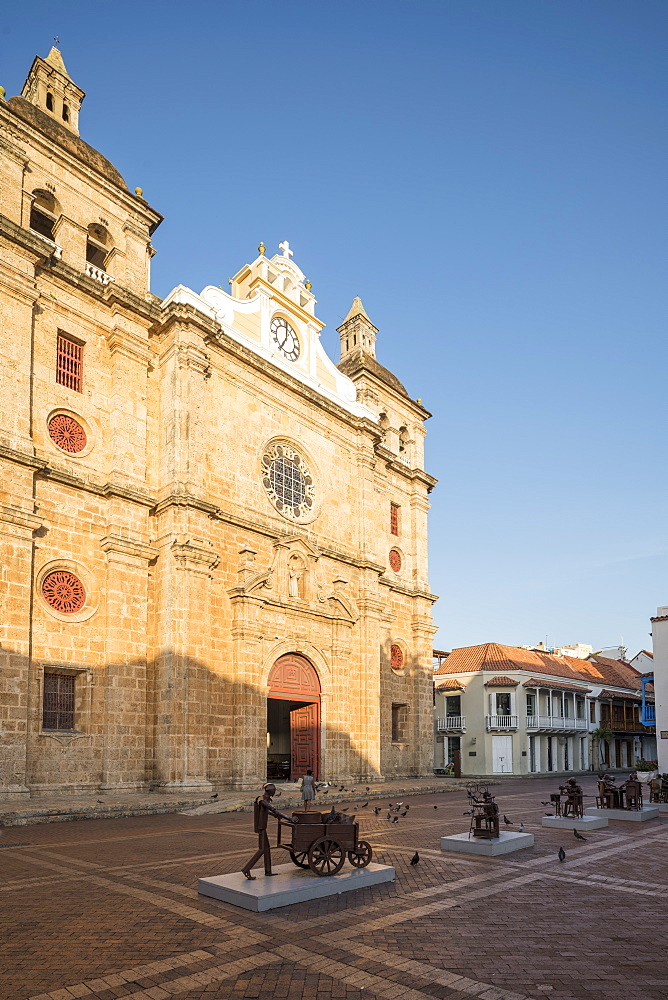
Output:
x=125 y=749
x=184 y=576
x=16 y=571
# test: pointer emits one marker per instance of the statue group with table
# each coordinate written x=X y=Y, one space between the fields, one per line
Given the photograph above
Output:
x=627 y=795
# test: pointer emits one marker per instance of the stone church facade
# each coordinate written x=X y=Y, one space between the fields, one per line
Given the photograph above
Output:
x=213 y=540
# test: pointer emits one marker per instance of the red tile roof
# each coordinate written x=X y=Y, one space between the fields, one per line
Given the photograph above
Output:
x=618 y=694
x=501 y=682
x=533 y=683
x=450 y=684
x=505 y=659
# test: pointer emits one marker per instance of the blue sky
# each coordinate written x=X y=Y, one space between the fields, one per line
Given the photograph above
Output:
x=490 y=178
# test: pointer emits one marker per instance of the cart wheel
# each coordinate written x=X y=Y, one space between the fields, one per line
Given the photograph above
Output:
x=299 y=858
x=362 y=856
x=326 y=856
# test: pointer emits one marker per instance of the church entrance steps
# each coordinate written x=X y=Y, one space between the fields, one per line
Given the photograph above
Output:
x=96 y=805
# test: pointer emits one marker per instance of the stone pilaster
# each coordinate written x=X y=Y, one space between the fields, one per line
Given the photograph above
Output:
x=125 y=750
x=16 y=570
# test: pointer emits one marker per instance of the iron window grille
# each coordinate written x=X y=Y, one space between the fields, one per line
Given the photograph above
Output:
x=69 y=363
x=58 y=703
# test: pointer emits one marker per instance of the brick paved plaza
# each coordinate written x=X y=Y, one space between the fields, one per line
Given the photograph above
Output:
x=107 y=909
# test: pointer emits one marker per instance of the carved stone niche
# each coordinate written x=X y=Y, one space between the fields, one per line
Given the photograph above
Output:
x=294 y=569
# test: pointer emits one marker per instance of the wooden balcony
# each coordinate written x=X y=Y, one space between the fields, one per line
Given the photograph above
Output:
x=452 y=724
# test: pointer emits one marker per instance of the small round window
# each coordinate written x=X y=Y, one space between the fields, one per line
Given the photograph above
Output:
x=288 y=481
x=396 y=657
x=64 y=592
x=67 y=433
x=395 y=560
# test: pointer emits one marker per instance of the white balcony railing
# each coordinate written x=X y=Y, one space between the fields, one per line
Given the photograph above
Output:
x=501 y=721
x=555 y=722
x=452 y=723
x=98 y=274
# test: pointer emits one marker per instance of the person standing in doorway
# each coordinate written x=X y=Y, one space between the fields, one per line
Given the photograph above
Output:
x=308 y=789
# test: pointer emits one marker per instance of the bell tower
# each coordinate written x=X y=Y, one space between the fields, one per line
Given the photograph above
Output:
x=50 y=88
x=357 y=332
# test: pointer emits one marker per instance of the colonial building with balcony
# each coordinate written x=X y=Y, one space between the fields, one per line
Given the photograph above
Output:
x=508 y=710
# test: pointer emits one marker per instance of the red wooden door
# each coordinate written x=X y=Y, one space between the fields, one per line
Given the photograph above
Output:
x=304 y=738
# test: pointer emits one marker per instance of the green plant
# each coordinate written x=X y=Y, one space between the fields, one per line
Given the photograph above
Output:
x=599 y=736
x=647 y=765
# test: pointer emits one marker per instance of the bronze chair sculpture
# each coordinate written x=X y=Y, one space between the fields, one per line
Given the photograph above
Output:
x=484 y=812
x=574 y=804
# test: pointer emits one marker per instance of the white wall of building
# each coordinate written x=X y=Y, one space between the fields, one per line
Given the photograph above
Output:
x=660 y=666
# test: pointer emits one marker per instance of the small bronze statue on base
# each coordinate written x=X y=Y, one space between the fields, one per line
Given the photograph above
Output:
x=484 y=812
x=263 y=807
x=574 y=804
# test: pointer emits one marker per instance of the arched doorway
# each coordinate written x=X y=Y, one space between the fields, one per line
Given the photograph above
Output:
x=293 y=719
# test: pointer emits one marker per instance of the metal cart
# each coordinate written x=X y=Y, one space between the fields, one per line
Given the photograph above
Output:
x=321 y=843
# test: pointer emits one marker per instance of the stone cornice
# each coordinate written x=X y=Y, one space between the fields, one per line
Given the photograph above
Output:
x=409 y=591
x=19 y=517
x=393 y=463
x=128 y=547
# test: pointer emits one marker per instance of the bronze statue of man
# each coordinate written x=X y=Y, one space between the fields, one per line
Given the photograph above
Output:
x=262 y=808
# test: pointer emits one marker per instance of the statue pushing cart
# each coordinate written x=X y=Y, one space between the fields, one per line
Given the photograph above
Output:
x=322 y=841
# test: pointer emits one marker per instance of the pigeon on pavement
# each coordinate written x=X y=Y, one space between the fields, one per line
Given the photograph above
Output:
x=562 y=854
x=578 y=836
x=396 y=819
x=507 y=821
x=364 y=805
x=415 y=859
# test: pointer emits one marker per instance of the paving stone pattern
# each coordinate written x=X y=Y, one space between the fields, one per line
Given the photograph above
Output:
x=109 y=909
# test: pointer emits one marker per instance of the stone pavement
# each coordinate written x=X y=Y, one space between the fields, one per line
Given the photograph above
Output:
x=109 y=909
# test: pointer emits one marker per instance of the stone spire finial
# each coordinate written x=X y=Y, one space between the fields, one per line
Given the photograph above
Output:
x=51 y=89
x=357 y=332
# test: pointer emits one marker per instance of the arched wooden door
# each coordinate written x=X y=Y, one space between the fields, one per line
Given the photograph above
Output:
x=294 y=678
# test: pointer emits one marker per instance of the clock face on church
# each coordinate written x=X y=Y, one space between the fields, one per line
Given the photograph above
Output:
x=285 y=338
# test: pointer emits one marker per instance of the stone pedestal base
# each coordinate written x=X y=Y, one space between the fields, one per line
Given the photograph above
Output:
x=504 y=844
x=568 y=823
x=289 y=885
x=662 y=807
x=628 y=815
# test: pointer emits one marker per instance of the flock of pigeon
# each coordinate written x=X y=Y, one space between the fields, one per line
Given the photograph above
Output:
x=394 y=812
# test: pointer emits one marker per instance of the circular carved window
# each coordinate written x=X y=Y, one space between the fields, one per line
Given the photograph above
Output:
x=67 y=433
x=64 y=592
x=395 y=560
x=396 y=657
x=288 y=481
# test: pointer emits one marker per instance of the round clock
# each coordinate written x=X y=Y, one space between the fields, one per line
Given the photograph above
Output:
x=285 y=338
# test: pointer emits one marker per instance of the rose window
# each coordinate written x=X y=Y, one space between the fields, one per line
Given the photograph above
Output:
x=396 y=657
x=288 y=481
x=67 y=433
x=64 y=592
x=395 y=560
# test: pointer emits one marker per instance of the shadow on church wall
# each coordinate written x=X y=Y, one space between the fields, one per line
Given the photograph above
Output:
x=167 y=724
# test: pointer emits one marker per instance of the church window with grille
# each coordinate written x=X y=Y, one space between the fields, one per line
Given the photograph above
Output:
x=58 y=702
x=69 y=363
x=396 y=657
x=64 y=592
x=394 y=519
x=288 y=481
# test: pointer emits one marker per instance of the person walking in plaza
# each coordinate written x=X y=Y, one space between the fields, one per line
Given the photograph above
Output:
x=308 y=789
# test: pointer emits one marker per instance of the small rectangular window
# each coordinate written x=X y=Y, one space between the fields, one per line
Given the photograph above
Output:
x=394 y=518
x=58 y=703
x=592 y=711
x=399 y=723
x=69 y=363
